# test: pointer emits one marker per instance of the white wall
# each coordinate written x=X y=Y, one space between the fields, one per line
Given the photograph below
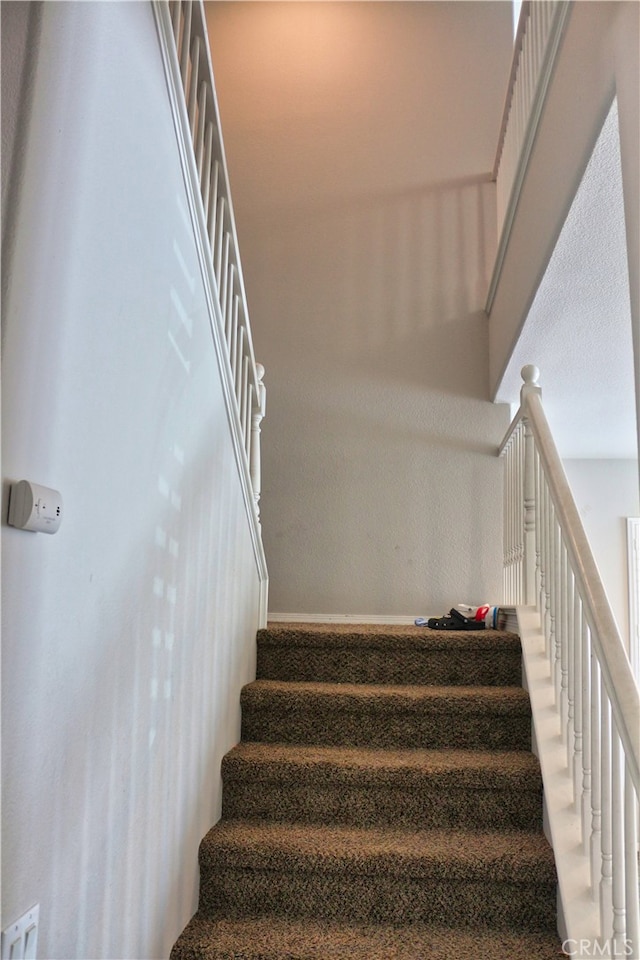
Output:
x=359 y=138
x=606 y=493
x=127 y=635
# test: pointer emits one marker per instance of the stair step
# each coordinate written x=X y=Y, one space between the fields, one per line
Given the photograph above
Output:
x=382 y=653
x=463 y=717
x=359 y=786
x=279 y=939
x=505 y=880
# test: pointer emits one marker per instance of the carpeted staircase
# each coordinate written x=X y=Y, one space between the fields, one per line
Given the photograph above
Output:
x=383 y=805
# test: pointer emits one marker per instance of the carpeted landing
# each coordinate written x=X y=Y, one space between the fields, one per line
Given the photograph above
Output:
x=383 y=805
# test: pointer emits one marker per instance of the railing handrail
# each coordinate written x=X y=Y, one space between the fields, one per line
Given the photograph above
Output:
x=617 y=673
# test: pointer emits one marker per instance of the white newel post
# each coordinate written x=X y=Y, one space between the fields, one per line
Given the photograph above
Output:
x=256 y=420
x=530 y=375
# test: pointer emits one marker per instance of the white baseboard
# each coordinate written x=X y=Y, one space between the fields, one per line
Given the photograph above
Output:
x=337 y=618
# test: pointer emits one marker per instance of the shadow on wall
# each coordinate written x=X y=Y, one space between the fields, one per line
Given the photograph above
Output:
x=400 y=278
x=380 y=440
x=150 y=706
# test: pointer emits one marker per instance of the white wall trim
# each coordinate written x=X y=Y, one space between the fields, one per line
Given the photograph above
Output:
x=338 y=618
x=192 y=187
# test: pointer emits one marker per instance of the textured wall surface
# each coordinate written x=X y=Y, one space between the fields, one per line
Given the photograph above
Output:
x=359 y=138
x=127 y=635
x=578 y=330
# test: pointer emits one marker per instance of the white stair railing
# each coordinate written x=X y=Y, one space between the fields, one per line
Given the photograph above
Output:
x=183 y=31
x=548 y=564
x=536 y=44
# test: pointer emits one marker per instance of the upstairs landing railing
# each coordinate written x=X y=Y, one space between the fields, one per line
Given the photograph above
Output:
x=183 y=32
x=548 y=563
x=536 y=44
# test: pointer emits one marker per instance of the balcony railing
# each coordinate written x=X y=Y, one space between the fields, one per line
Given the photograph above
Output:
x=548 y=563
x=183 y=32
x=536 y=44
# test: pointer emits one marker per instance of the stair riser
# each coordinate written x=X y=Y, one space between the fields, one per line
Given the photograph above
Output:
x=319 y=725
x=444 y=668
x=352 y=806
x=238 y=893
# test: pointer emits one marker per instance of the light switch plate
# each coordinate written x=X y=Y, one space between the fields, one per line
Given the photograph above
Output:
x=20 y=939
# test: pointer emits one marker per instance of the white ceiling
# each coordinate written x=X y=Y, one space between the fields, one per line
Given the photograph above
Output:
x=578 y=331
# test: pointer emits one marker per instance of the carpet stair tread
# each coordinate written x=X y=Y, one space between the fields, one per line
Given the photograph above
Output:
x=383 y=637
x=260 y=938
x=387 y=654
x=508 y=856
x=469 y=769
x=389 y=697
x=386 y=716
x=361 y=786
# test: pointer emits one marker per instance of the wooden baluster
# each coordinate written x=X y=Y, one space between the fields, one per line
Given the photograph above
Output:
x=237 y=369
x=242 y=402
x=193 y=87
x=224 y=275
x=212 y=218
x=248 y=435
x=595 y=839
x=557 y=611
x=228 y=315
x=587 y=740
x=522 y=594
x=205 y=181
x=510 y=552
x=517 y=520
x=578 y=760
x=617 y=846
x=547 y=568
x=529 y=516
x=186 y=40
x=606 y=873
x=552 y=587
x=512 y=519
x=256 y=420
x=199 y=141
x=564 y=643
x=536 y=45
x=515 y=542
x=233 y=345
x=538 y=531
x=176 y=20
x=527 y=59
x=530 y=376
x=217 y=256
x=505 y=527
x=510 y=512
x=244 y=399
x=571 y=672
x=631 y=865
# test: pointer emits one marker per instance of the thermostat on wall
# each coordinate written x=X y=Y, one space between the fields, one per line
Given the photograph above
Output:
x=33 y=507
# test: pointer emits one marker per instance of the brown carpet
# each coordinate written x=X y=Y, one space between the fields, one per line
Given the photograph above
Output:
x=383 y=803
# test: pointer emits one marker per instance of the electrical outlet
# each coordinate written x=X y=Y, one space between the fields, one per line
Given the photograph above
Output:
x=20 y=939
